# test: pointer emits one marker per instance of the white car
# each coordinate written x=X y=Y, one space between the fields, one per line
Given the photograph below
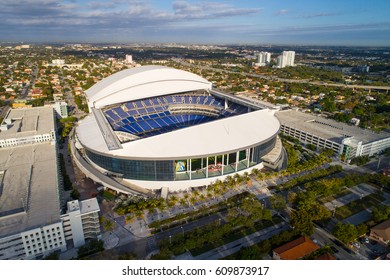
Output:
x=356 y=244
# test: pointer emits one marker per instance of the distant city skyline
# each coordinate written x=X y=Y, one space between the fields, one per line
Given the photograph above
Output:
x=301 y=22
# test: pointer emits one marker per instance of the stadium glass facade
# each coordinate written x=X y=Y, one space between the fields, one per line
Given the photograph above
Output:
x=184 y=169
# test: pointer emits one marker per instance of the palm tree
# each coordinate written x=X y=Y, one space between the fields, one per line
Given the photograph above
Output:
x=131 y=208
x=186 y=196
x=173 y=199
x=246 y=178
x=108 y=225
x=182 y=201
x=129 y=219
x=193 y=200
x=195 y=193
x=255 y=171
x=151 y=211
x=139 y=214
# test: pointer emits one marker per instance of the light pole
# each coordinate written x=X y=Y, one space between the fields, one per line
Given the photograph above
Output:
x=379 y=163
x=170 y=240
x=182 y=231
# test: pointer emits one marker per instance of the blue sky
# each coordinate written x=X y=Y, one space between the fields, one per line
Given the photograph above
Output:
x=303 y=22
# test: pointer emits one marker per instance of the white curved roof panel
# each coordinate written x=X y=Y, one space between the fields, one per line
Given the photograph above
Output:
x=215 y=137
x=143 y=82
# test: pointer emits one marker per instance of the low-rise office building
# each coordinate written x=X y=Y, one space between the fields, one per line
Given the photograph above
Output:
x=346 y=140
x=31 y=224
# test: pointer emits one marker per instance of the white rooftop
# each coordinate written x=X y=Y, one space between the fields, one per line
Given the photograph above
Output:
x=215 y=137
x=143 y=82
x=89 y=205
x=29 y=196
x=328 y=128
x=28 y=122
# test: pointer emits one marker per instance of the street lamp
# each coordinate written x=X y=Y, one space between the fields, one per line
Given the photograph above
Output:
x=182 y=231
x=170 y=240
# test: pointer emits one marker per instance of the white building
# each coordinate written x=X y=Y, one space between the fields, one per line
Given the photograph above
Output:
x=187 y=117
x=263 y=59
x=61 y=109
x=58 y=62
x=346 y=140
x=129 y=59
x=81 y=221
x=286 y=59
x=27 y=126
x=31 y=225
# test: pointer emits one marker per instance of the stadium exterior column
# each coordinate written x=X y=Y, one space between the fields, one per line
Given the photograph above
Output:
x=223 y=161
x=190 y=169
x=207 y=167
x=237 y=159
x=248 y=156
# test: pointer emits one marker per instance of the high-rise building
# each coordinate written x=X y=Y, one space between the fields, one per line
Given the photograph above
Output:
x=263 y=58
x=286 y=59
x=129 y=59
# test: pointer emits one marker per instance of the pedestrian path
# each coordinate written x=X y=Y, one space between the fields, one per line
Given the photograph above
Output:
x=357 y=192
x=235 y=246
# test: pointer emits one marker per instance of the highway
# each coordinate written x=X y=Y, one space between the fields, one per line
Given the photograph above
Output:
x=275 y=78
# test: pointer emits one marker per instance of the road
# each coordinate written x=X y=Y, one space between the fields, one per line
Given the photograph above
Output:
x=34 y=74
x=325 y=238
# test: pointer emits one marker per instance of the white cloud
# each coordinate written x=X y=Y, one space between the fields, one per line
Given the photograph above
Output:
x=282 y=12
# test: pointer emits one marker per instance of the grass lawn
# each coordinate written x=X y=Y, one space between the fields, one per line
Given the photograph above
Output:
x=236 y=234
x=324 y=200
x=358 y=205
x=108 y=195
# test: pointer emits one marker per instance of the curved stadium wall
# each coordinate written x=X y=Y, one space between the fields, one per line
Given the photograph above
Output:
x=206 y=166
x=184 y=136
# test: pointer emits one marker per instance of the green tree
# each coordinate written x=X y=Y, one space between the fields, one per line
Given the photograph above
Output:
x=250 y=253
x=301 y=221
x=75 y=194
x=380 y=213
x=345 y=232
x=108 y=225
x=278 y=202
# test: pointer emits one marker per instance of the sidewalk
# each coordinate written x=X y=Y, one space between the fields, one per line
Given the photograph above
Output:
x=357 y=192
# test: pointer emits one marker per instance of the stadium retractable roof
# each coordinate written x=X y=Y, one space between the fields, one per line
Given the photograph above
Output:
x=143 y=82
x=216 y=137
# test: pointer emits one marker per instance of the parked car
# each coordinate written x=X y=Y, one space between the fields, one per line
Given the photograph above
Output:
x=334 y=249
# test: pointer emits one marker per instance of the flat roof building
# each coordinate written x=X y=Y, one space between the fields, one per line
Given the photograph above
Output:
x=27 y=126
x=31 y=225
x=346 y=140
